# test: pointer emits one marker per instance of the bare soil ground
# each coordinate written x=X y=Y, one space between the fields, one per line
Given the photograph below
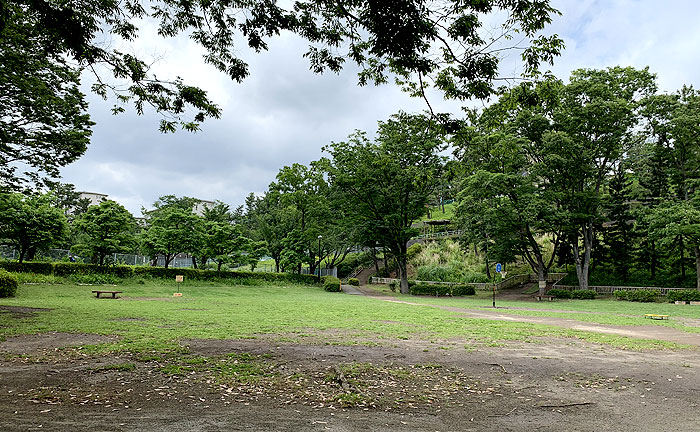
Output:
x=414 y=385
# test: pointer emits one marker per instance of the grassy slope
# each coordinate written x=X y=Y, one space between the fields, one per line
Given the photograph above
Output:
x=156 y=320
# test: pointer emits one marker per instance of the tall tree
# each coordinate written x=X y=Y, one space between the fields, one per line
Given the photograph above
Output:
x=389 y=181
x=104 y=229
x=172 y=228
x=30 y=223
x=595 y=121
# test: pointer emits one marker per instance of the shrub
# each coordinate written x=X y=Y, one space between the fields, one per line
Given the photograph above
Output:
x=645 y=296
x=354 y=282
x=559 y=293
x=8 y=284
x=68 y=269
x=583 y=294
x=45 y=268
x=413 y=251
x=684 y=295
x=393 y=285
x=620 y=294
x=441 y=290
x=331 y=284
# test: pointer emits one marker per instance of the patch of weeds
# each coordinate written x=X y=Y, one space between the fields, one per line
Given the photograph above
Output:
x=120 y=367
x=196 y=360
x=352 y=399
x=428 y=366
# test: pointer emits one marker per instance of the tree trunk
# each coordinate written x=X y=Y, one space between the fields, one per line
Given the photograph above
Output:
x=218 y=266
x=541 y=275
x=697 y=267
x=682 y=250
x=194 y=262
x=583 y=262
x=653 y=260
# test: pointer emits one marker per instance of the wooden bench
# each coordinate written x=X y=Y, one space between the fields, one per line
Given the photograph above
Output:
x=549 y=298
x=114 y=293
x=656 y=316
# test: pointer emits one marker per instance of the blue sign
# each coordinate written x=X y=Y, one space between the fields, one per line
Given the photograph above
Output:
x=498 y=267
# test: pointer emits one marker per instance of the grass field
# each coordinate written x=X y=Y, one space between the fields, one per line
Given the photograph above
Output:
x=149 y=318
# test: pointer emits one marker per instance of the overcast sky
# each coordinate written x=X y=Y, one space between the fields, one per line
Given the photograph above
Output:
x=284 y=114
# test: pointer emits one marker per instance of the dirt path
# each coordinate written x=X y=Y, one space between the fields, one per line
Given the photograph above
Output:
x=639 y=332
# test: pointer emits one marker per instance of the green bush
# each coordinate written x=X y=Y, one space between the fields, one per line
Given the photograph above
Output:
x=331 y=284
x=644 y=296
x=393 y=285
x=68 y=269
x=413 y=251
x=559 y=293
x=45 y=268
x=8 y=284
x=583 y=294
x=354 y=282
x=441 y=290
x=684 y=295
x=95 y=279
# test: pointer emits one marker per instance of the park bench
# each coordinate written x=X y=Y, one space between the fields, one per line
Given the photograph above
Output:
x=656 y=316
x=548 y=297
x=114 y=293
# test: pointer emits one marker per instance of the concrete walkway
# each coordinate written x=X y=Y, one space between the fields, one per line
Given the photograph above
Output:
x=349 y=289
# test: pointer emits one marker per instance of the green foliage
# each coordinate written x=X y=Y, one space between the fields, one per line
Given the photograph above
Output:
x=44 y=123
x=441 y=290
x=683 y=295
x=559 y=293
x=172 y=228
x=331 y=284
x=8 y=284
x=602 y=276
x=583 y=294
x=386 y=183
x=413 y=251
x=644 y=296
x=354 y=282
x=104 y=229
x=353 y=261
x=385 y=42
x=30 y=223
x=64 y=269
x=70 y=269
x=44 y=268
x=445 y=261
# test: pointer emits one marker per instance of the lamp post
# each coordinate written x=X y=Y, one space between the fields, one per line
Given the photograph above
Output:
x=319 y=257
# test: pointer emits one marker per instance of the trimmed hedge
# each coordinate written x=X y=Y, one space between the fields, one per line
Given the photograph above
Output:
x=644 y=296
x=583 y=294
x=331 y=284
x=354 y=282
x=124 y=272
x=8 y=284
x=684 y=295
x=45 y=268
x=441 y=290
x=559 y=293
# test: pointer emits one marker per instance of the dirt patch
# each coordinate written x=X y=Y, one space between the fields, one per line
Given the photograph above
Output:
x=19 y=312
x=47 y=342
x=262 y=385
